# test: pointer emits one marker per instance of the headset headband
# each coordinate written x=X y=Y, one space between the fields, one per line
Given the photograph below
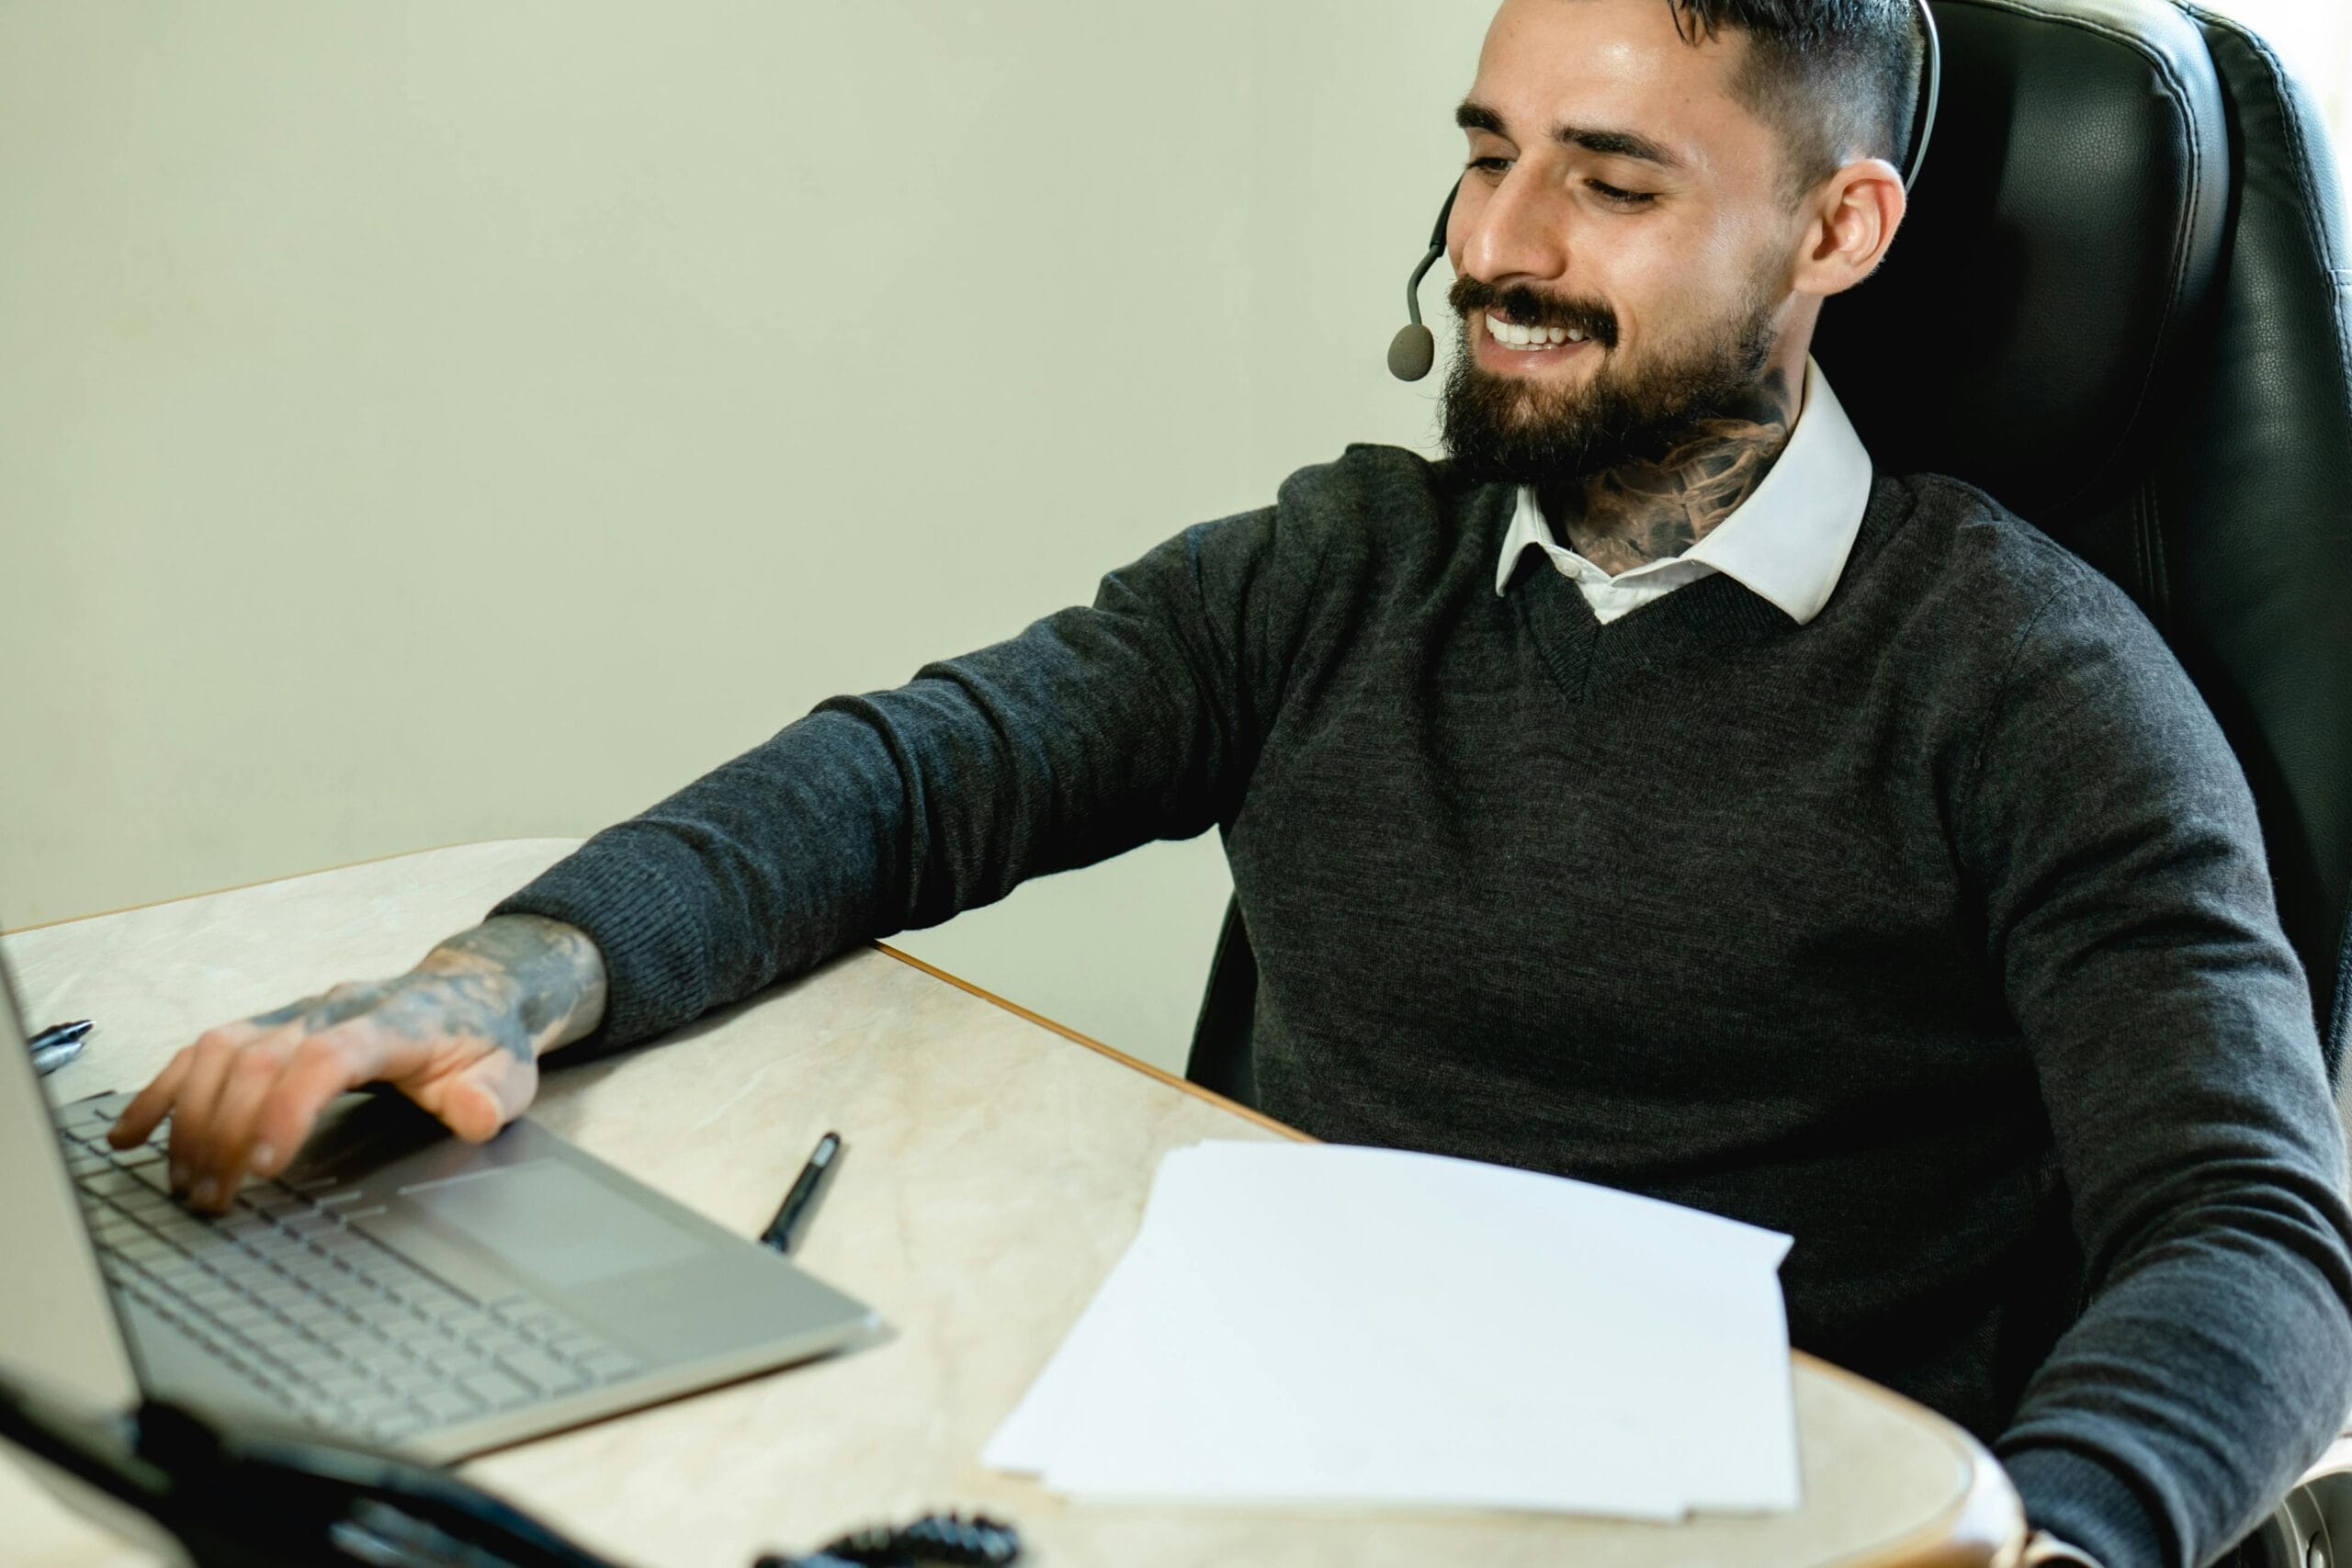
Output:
x=1931 y=93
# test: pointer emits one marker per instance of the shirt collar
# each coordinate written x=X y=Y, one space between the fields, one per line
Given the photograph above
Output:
x=1788 y=542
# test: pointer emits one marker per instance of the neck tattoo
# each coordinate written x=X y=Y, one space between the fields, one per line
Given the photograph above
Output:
x=1641 y=512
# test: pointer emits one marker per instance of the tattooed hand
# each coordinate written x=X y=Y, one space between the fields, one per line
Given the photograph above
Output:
x=460 y=1034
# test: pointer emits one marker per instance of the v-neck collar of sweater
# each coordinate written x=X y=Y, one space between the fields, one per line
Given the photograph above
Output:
x=1700 y=619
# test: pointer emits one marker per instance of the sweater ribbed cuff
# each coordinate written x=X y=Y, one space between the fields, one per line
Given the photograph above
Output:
x=2086 y=1505
x=632 y=914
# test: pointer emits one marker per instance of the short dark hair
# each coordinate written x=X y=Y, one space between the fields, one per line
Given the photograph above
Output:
x=1840 y=78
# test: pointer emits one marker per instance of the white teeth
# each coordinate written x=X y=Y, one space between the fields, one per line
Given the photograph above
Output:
x=1505 y=333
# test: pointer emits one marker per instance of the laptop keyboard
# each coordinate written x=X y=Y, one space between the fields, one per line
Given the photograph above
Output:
x=333 y=1327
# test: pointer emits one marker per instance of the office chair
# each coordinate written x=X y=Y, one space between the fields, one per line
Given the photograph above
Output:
x=2122 y=305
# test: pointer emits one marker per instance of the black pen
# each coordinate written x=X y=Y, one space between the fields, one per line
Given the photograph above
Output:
x=58 y=1044
x=801 y=1201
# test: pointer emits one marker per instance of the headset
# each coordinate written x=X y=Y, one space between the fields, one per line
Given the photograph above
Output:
x=1414 y=348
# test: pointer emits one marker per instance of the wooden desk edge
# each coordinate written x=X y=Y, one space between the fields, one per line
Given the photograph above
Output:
x=1984 y=1526
x=1161 y=1074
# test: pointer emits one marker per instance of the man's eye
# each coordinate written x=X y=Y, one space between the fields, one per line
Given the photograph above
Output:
x=1611 y=193
x=1488 y=163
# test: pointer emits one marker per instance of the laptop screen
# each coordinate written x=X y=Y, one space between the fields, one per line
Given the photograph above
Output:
x=58 y=1329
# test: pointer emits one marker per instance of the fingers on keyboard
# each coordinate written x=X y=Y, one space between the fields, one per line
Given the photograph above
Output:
x=244 y=1100
x=248 y=1086
x=194 y=1158
x=319 y=1068
x=145 y=1111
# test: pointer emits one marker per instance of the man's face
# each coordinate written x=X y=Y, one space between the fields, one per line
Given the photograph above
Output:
x=1619 y=193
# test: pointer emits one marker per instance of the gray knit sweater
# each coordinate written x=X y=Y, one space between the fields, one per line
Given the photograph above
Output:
x=1936 y=932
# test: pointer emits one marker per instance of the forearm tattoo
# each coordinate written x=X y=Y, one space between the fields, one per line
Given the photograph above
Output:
x=523 y=984
x=560 y=971
x=1643 y=512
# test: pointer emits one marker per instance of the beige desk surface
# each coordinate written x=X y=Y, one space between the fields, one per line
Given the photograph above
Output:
x=996 y=1171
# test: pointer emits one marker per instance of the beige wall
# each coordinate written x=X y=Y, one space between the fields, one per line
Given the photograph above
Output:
x=441 y=421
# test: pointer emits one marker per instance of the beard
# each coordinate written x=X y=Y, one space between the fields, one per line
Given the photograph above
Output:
x=1513 y=428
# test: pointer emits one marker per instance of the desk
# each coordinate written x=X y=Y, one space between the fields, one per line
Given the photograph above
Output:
x=997 y=1169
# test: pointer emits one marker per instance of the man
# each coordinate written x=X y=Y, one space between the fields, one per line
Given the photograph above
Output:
x=1650 y=792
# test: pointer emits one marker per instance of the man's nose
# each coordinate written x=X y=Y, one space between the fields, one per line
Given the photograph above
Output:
x=1513 y=233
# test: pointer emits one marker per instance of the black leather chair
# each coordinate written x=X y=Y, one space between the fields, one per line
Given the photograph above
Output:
x=2122 y=304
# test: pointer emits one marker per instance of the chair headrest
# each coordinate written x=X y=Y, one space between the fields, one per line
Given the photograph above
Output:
x=2060 y=251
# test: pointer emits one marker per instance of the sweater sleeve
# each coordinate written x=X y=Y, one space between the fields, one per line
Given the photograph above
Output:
x=1096 y=729
x=2130 y=916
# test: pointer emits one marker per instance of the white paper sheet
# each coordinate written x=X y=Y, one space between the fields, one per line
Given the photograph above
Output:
x=1316 y=1324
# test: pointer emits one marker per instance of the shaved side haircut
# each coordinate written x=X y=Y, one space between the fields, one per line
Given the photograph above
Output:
x=1839 y=78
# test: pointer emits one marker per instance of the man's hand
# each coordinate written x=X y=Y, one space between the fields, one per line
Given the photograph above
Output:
x=460 y=1034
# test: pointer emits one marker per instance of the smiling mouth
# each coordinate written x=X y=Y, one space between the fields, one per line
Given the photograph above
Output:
x=1505 y=335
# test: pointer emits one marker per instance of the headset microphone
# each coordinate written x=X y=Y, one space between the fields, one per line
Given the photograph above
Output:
x=1414 y=348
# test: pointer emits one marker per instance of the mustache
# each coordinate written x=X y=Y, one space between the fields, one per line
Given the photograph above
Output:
x=1524 y=306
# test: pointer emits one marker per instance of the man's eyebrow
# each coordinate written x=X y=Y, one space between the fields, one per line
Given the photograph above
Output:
x=1473 y=115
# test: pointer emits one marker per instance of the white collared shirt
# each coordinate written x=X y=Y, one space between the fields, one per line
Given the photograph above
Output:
x=1788 y=542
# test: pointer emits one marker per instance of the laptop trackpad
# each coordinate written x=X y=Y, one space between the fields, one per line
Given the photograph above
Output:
x=556 y=1223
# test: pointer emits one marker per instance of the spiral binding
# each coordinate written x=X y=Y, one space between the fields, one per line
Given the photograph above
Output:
x=948 y=1540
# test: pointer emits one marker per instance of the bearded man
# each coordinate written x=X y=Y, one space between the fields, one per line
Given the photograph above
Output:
x=1651 y=792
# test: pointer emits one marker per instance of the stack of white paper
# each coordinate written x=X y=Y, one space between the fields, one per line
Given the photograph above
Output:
x=1321 y=1323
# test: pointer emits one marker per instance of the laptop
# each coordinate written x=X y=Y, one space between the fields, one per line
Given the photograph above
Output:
x=395 y=1285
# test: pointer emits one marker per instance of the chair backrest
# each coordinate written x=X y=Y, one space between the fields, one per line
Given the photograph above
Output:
x=2122 y=305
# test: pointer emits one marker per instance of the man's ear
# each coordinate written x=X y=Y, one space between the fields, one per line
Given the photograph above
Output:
x=1850 y=218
